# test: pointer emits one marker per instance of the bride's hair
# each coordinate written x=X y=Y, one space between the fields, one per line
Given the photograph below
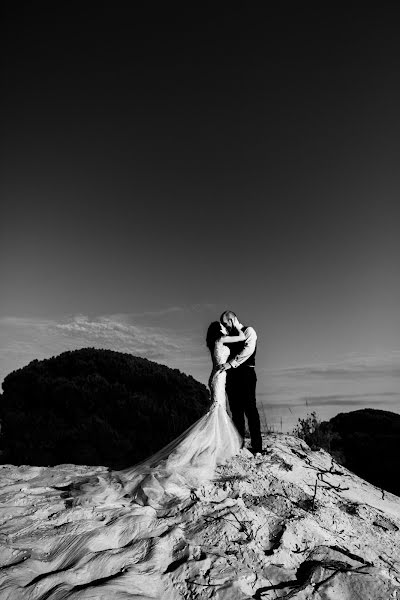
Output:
x=213 y=334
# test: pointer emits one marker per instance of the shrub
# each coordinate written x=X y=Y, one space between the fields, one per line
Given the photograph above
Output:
x=365 y=440
x=318 y=435
x=92 y=406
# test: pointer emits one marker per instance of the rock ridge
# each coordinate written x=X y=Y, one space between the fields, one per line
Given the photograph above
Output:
x=288 y=523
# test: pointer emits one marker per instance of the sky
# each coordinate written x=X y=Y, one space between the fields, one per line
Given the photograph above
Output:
x=161 y=165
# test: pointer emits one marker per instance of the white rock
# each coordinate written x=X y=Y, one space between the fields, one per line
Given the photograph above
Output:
x=261 y=529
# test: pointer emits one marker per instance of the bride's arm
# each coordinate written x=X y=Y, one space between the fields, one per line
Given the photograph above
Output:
x=230 y=339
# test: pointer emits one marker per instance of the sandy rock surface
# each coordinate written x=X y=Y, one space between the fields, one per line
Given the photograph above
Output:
x=290 y=523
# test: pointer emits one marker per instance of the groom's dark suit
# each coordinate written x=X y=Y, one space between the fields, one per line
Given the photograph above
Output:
x=241 y=382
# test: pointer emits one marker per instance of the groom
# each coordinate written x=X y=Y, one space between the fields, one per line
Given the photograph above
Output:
x=241 y=379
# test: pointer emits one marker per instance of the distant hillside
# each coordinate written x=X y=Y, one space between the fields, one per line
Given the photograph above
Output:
x=370 y=440
x=98 y=407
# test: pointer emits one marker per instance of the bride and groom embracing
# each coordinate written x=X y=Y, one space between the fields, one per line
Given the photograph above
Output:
x=190 y=460
x=233 y=350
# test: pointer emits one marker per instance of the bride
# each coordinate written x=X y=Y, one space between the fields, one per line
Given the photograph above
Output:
x=189 y=460
x=127 y=550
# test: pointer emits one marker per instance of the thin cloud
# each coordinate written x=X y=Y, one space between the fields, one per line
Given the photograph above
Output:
x=168 y=311
x=128 y=338
x=387 y=365
x=26 y=339
x=155 y=313
x=357 y=382
x=350 y=399
x=331 y=399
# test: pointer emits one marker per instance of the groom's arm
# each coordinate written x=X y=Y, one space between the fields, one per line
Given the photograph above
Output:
x=249 y=347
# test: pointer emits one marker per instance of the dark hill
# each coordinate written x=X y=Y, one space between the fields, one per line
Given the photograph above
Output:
x=93 y=407
x=369 y=440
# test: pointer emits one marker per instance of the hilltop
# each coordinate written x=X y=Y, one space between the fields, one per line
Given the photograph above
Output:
x=369 y=439
x=291 y=523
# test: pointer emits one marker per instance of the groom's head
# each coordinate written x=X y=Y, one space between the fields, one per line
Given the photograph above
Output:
x=229 y=320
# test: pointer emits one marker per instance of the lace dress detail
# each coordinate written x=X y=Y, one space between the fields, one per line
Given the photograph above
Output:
x=218 y=380
x=188 y=461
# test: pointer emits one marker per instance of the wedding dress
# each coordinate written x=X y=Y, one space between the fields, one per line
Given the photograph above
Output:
x=188 y=461
x=124 y=551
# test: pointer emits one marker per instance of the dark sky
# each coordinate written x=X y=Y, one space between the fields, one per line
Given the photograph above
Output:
x=243 y=157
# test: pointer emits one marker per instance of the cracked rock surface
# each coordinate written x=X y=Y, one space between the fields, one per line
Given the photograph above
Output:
x=290 y=523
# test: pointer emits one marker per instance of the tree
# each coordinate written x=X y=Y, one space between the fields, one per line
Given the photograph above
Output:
x=92 y=406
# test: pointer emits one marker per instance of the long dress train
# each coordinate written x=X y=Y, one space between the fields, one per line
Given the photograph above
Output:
x=188 y=461
x=133 y=529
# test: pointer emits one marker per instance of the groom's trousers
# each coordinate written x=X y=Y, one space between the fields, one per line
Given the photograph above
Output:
x=241 y=392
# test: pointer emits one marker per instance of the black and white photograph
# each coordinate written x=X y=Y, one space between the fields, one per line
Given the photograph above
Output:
x=200 y=301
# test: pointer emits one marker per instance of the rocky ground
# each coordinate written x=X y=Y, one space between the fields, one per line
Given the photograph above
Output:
x=290 y=523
